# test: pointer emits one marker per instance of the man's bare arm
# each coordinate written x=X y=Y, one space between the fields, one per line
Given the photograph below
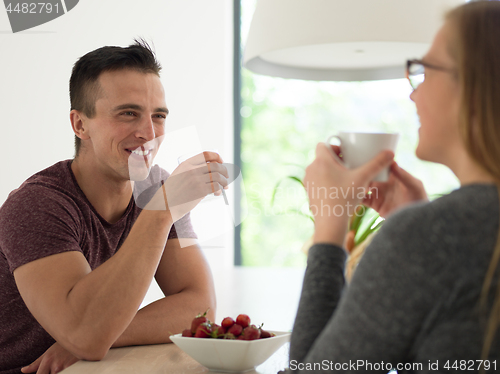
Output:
x=185 y=278
x=87 y=311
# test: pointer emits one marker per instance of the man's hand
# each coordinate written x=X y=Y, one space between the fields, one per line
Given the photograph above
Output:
x=189 y=183
x=54 y=360
x=401 y=189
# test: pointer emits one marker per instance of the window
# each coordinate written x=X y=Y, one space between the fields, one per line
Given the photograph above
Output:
x=281 y=122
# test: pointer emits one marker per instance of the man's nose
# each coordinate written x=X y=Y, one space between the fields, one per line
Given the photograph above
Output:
x=146 y=129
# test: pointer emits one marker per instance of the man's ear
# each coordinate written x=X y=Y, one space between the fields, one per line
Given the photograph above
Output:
x=77 y=119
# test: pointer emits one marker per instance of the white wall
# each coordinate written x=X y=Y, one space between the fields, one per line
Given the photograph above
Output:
x=193 y=41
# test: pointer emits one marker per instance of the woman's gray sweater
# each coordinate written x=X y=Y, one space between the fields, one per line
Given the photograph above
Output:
x=413 y=299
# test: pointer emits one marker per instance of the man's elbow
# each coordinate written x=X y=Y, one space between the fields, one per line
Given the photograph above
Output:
x=207 y=301
x=93 y=354
x=200 y=301
x=90 y=353
x=89 y=349
x=90 y=356
x=213 y=310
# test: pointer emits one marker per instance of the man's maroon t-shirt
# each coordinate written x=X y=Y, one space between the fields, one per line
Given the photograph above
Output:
x=46 y=215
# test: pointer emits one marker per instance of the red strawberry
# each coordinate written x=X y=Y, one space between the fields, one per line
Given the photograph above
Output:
x=241 y=337
x=218 y=331
x=227 y=323
x=243 y=320
x=187 y=333
x=266 y=334
x=204 y=330
x=235 y=330
x=198 y=320
x=251 y=333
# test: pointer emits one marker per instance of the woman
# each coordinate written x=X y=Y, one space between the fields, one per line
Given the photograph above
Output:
x=415 y=303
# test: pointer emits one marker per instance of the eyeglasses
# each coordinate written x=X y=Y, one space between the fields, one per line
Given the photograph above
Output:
x=415 y=71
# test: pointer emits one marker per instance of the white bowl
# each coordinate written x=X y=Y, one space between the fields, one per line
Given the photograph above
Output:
x=231 y=355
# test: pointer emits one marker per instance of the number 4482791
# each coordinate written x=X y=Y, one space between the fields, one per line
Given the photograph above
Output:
x=33 y=8
x=474 y=365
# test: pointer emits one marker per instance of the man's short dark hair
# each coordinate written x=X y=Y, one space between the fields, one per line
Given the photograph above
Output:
x=84 y=88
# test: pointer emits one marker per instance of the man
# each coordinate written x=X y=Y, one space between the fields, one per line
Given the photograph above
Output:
x=77 y=254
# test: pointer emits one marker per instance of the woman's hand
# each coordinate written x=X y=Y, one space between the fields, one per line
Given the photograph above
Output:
x=401 y=189
x=334 y=191
x=54 y=360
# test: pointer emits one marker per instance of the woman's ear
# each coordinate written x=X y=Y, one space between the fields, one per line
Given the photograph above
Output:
x=78 y=124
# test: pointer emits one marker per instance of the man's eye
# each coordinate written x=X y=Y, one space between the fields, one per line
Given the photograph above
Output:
x=128 y=113
x=162 y=116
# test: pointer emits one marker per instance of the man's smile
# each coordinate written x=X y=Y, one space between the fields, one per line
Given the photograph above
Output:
x=141 y=151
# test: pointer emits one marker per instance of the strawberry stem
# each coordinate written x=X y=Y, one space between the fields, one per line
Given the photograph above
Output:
x=203 y=315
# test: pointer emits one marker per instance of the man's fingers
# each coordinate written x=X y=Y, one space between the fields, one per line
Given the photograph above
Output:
x=218 y=181
x=211 y=178
x=219 y=168
x=201 y=159
x=44 y=368
x=196 y=160
x=229 y=171
x=27 y=369
x=212 y=157
x=184 y=188
x=188 y=185
x=33 y=366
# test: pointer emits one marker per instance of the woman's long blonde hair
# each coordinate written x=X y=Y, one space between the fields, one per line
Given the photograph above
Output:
x=476 y=50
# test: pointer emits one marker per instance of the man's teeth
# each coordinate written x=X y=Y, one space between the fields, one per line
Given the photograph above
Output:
x=140 y=152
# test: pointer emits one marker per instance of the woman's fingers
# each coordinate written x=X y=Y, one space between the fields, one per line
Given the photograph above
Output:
x=368 y=171
x=328 y=152
x=405 y=177
x=336 y=149
x=413 y=185
x=381 y=161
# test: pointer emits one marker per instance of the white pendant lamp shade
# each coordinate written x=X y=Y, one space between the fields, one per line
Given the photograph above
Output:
x=341 y=40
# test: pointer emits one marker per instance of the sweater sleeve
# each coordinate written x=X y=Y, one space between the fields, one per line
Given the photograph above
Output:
x=319 y=298
x=381 y=313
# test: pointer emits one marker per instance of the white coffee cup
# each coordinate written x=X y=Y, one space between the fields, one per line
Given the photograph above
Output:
x=357 y=148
